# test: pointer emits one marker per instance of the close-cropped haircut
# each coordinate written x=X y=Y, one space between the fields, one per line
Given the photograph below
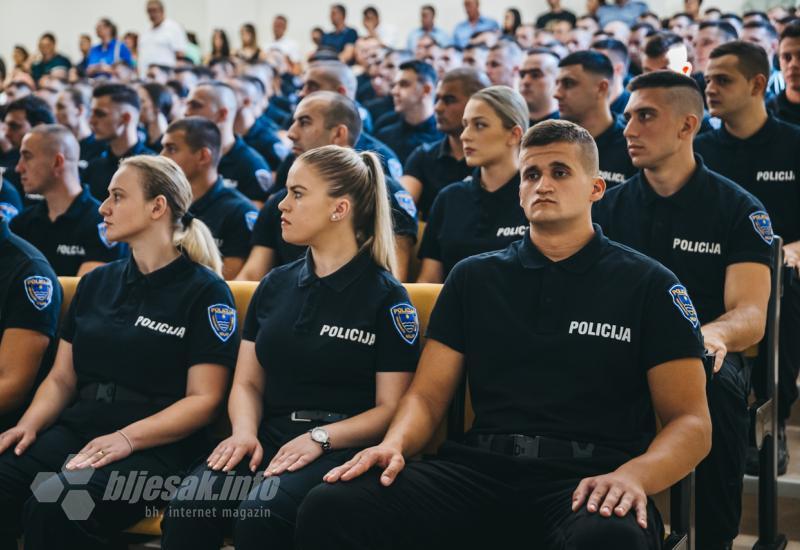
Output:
x=751 y=58
x=548 y=132
x=471 y=80
x=425 y=72
x=792 y=30
x=199 y=133
x=684 y=91
x=728 y=30
x=37 y=111
x=119 y=94
x=339 y=109
x=591 y=62
x=660 y=43
x=771 y=30
x=617 y=51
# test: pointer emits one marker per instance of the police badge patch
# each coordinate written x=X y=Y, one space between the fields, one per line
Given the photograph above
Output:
x=250 y=219
x=404 y=317
x=680 y=297
x=102 y=232
x=762 y=225
x=264 y=178
x=223 y=320
x=39 y=290
x=8 y=211
x=395 y=168
x=405 y=201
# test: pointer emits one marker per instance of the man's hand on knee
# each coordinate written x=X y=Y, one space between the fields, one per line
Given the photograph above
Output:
x=618 y=492
x=386 y=457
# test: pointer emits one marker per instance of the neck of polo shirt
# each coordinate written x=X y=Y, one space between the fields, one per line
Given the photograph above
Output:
x=202 y=204
x=761 y=136
x=77 y=208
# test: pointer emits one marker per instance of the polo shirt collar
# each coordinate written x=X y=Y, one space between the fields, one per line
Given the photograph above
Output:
x=159 y=277
x=686 y=197
x=609 y=132
x=76 y=209
x=339 y=279
x=531 y=258
x=427 y=125
x=202 y=204
x=510 y=187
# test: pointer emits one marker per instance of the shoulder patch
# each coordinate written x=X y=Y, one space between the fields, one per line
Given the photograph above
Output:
x=406 y=202
x=763 y=225
x=39 y=290
x=264 y=179
x=8 y=211
x=404 y=317
x=102 y=232
x=395 y=168
x=280 y=149
x=680 y=297
x=223 y=320
x=250 y=219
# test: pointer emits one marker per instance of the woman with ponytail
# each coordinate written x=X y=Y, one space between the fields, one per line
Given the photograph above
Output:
x=329 y=346
x=142 y=367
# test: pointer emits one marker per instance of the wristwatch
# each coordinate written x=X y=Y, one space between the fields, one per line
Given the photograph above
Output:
x=320 y=435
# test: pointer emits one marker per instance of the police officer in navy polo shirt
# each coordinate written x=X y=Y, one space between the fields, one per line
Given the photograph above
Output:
x=20 y=116
x=432 y=166
x=413 y=92
x=255 y=130
x=66 y=226
x=617 y=53
x=141 y=369
x=330 y=343
x=10 y=201
x=115 y=120
x=324 y=118
x=786 y=105
x=759 y=152
x=241 y=167
x=30 y=301
x=482 y=212
x=571 y=343
x=72 y=110
x=537 y=83
x=715 y=237
x=194 y=144
x=582 y=89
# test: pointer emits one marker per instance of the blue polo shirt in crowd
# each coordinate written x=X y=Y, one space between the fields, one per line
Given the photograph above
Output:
x=10 y=201
x=403 y=137
x=465 y=29
x=337 y=40
x=245 y=170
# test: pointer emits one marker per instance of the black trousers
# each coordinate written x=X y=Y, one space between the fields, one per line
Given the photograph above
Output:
x=789 y=350
x=718 y=489
x=45 y=517
x=262 y=516
x=471 y=499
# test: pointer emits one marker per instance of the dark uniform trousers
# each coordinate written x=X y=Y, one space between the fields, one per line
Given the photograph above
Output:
x=265 y=518
x=718 y=489
x=46 y=525
x=470 y=498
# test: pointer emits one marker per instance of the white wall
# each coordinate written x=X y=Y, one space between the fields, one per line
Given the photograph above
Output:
x=22 y=21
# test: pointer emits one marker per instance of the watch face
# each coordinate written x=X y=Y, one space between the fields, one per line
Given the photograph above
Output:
x=320 y=435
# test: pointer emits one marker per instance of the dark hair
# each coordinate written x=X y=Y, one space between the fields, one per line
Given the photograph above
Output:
x=792 y=30
x=688 y=94
x=429 y=8
x=480 y=46
x=22 y=50
x=249 y=27
x=542 y=51
x=682 y=14
x=19 y=84
x=78 y=96
x=660 y=43
x=339 y=109
x=225 y=50
x=163 y=68
x=724 y=27
x=751 y=58
x=119 y=94
x=618 y=50
x=650 y=28
x=425 y=72
x=202 y=72
x=730 y=15
x=771 y=30
x=107 y=22
x=49 y=36
x=37 y=111
x=255 y=81
x=160 y=97
x=563 y=131
x=370 y=10
x=517 y=21
x=712 y=10
x=199 y=133
x=591 y=62
x=178 y=87
x=470 y=80
x=756 y=13
x=340 y=8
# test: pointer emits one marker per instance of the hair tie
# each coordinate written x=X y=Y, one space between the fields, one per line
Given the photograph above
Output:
x=186 y=219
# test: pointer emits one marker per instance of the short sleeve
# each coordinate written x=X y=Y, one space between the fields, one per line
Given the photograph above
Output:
x=33 y=300
x=670 y=325
x=397 y=334
x=751 y=237
x=251 y=326
x=237 y=233
x=265 y=230
x=415 y=163
x=213 y=331
x=430 y=248
x=448 y=323
x=404 y=211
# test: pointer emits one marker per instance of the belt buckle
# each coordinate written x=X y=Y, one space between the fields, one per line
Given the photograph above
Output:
x=105 y=392
x=525 y=446
x=295 y=418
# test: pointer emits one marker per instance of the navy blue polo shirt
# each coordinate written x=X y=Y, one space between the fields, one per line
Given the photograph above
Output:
x=386 y=119
x=562 y=349
x=619 y=104
x=403 y=137
x=379 y=106
x=246 y=171
x=230 y=216
x=321 y=341
x=615 y=162
x=10 y=201
x=466 y=219
x=337 y=40
x=552 y=116
x=9 y=160
x=30 y=297
x=91 y=148
x=103 y=167
x=434 y=165
x=76 y=236
x=266 y=142
x=277 y=116
x=767 y=164
x=781 y=107
x=267 y=230
x=144 y=333
x=709 y=224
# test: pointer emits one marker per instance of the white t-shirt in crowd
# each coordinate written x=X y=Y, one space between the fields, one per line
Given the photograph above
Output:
x=158 y=45
x=288 y=47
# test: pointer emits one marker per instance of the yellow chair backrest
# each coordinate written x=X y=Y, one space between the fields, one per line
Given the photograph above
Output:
x=242 y=294
x=69 y=285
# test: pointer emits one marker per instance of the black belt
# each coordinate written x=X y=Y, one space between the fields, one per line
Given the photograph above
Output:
x=317 y=416
x=109 y=392
x=537 y=447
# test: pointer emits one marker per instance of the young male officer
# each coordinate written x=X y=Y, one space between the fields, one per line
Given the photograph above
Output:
x=716 y=237
x=66 y=226
x=570 y=343
x=582 y=91
x=194 y=143
x=759 y=152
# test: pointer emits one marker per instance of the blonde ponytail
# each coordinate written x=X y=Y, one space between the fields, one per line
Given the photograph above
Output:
x=161 y=176
x=382 y=242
